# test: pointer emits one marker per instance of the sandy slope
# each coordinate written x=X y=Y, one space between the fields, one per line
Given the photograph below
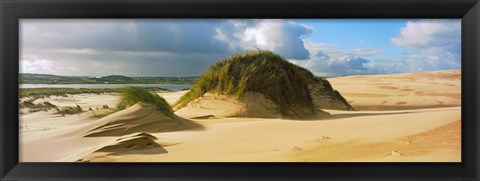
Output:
x=431 y=134
x=415 y=135
x=253 y=105
x=360 y=136
x=141 y=117
x=401 y=91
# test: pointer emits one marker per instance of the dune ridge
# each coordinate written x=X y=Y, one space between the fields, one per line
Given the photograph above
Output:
x=128 y=144
x=141 y=117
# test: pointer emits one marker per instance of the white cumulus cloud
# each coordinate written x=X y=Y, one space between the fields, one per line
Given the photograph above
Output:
x=431 y=44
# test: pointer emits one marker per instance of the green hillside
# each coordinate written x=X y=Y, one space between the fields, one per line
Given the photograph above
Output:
x=111 y=79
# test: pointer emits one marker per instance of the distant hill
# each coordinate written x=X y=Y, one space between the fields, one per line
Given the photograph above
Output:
x=116 y=78
x=111 y=79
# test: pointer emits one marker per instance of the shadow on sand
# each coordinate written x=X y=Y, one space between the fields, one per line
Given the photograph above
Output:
x=350 y=115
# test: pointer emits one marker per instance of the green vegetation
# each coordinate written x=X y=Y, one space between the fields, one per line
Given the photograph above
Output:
x=336 y=95
x=37 y=93
x=100 y=113
x=44 y=106
x=260 y=71
x=69 y=110
x=132 y=95
x=111 y=79
x=27 y=103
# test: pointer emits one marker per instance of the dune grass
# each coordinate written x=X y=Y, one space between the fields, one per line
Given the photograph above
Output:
x=70 y=110
x=44 y=106
x=261 y=71
x=133 y=95
x=335 y=93
x=100 y=113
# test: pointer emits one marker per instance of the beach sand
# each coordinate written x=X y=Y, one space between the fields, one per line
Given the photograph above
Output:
x=400 y=118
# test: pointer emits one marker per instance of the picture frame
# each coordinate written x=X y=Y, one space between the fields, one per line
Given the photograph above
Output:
x=12 y=11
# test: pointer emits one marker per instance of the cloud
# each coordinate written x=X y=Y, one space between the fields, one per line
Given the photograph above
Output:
x=328 y=61
x=427 y=33
x=428 y=45
x=205 y=36
x=281 y=36
x=332 y=50
x=126 y=47
x=129 y=63
x=128 y=35
x=188 y=47
x=168 y=47
x=431 y=44
x=325 y=65
x=32 y=64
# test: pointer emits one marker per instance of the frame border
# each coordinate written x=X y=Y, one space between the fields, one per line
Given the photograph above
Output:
x=11 y=11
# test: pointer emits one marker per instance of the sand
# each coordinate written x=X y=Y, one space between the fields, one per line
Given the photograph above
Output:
x=254 y=105
x=421 y=131
x=401 y=91
x=141 y=117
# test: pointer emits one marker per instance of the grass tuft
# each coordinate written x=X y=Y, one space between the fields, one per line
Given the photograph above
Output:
x=100 y=113
x=69 y=110
x=133 y=95
x=44 y=106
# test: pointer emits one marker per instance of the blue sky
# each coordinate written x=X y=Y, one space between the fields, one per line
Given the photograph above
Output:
x=351 y=34
x=327 y=47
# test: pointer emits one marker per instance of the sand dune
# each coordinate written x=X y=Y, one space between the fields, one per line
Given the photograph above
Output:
x=401 y=91
x=137 y=143
x=411 y=135
x=141 y=117
x=212 y=105
x=221 y=106
x=359 y=136
x=142 y=134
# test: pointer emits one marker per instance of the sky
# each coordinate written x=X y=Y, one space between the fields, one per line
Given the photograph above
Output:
x=187 y=47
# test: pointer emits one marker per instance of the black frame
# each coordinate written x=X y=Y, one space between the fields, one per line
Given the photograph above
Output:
x=13 y=10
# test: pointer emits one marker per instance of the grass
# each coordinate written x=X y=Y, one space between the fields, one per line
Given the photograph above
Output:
x=335 y=93
x=44 y=106
x=260 y=71
x=100 y=113
x=128 y=95
x=27 y=103
x=132 y=95
x=70 y=110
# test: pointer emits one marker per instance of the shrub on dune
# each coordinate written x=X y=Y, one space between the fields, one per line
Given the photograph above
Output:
x=259 y=71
